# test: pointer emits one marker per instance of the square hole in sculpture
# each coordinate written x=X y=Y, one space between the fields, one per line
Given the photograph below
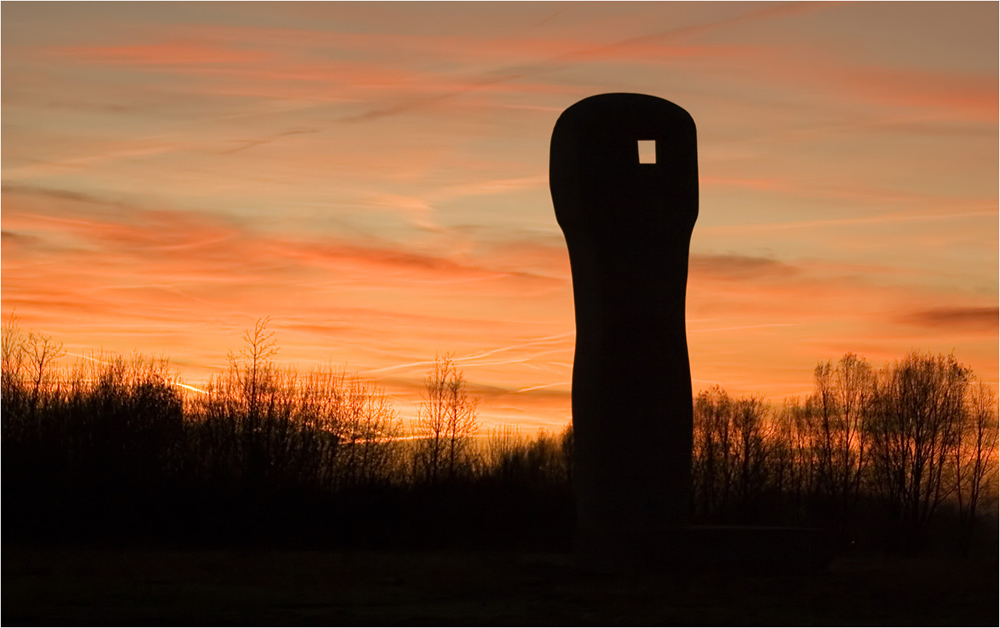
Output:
x=647 y=151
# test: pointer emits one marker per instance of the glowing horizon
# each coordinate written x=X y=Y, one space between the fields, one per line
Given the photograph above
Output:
x=374 y=179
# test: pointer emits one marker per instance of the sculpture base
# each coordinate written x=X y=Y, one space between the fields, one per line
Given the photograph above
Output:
x=768 y=549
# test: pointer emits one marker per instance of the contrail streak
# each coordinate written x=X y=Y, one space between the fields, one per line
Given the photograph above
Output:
x=696 y=331
x=539 y=387
x=478 y=356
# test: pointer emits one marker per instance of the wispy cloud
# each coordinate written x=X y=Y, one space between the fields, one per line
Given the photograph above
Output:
x=738 y=267
x=958 y=319
x=888 y=218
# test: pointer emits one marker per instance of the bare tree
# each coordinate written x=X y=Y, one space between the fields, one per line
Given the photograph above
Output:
x=917 y=417
x=40 y=353
x=253 y=366
x=842 y=403
x=12 y=386
x=713 y=451
x=250 y=416
x=791 y=454
x=12 y=344
x=795 y=426
x=446 y=422
x=747 y=458
x=367 y=427
x=976 y=460
x=752 y=451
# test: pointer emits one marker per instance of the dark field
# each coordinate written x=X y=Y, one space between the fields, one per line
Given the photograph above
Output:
x=131 y=587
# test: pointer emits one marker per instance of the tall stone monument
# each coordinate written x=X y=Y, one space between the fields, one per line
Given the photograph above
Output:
x=623 y=173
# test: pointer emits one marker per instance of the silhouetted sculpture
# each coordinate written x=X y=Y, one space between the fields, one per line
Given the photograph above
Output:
x=628 y=228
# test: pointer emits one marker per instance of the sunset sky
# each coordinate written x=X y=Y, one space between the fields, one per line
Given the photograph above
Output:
x=373 y=177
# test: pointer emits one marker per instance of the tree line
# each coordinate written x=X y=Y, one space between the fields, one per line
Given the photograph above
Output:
x=896 y=444
x=113 y=449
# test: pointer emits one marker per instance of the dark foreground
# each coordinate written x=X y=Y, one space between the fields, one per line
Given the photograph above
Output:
x=131 y=587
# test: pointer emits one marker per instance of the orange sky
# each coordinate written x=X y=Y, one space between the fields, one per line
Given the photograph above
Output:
x=373 y=177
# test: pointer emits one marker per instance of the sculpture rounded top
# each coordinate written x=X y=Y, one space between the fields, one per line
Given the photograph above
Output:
x=595 y=170
x=625 y=111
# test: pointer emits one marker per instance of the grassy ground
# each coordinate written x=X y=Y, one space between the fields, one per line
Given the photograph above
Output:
x=118 y=587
